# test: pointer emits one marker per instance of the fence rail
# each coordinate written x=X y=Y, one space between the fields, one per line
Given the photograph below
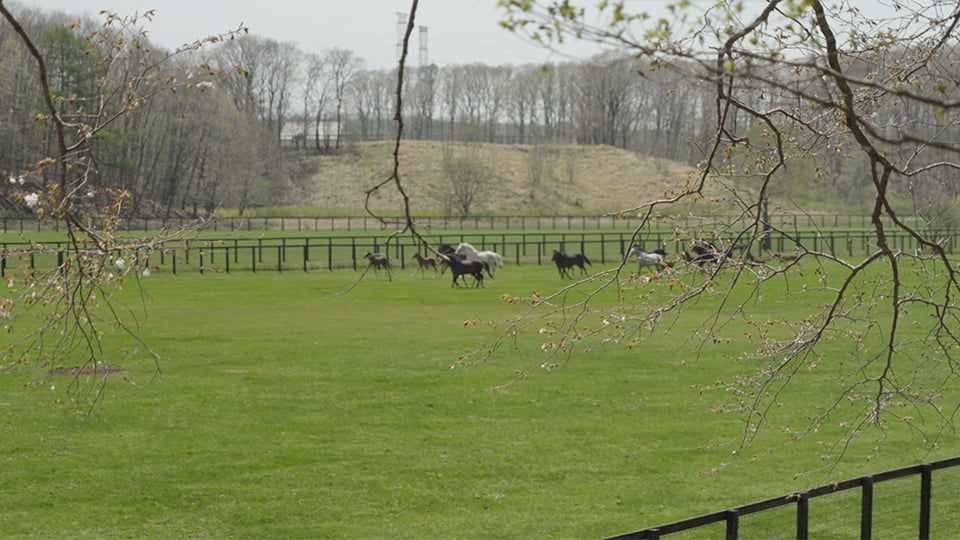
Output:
x=925 y=519
x=346 y=252
x=29 y=224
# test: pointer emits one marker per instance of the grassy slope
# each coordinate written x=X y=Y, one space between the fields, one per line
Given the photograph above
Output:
x=574 y=179
x=283 y=411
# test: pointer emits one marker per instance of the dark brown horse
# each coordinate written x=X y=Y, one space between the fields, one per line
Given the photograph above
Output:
x=565 y=262
x=461 y=268
x=446 y=250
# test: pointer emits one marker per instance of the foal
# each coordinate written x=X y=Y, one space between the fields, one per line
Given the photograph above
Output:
x=423 y=263
x=378 y=261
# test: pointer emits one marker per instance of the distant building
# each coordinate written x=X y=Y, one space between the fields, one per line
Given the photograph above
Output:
x=297 y=133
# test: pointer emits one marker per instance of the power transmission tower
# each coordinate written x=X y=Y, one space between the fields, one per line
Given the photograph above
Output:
x=424 y=60
x=401 y=30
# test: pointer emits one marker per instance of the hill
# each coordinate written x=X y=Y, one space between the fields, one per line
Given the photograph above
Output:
x=524 y=178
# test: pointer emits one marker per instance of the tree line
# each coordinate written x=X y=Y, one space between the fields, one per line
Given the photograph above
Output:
x=233 y=141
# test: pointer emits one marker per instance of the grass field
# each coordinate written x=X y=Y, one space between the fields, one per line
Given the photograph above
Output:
x=281 y=410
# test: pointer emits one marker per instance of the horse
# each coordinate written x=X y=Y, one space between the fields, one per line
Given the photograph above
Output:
x=703 y=255
x=648 y=258
x=460 y=268
x=565 y=262
x=423 y=263
x=490 y=258
x=378 y=261
x=447 y=249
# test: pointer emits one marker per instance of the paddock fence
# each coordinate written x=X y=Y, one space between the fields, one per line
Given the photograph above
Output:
x=921 y=501
x=307 y=253
x=30 y=224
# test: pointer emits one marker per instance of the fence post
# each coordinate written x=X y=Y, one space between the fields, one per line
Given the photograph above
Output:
x=733 y=524
x=926 y=481
x=866 y=508
x=803 y=515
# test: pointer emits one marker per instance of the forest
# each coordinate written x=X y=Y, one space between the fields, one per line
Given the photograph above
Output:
x=253 y=112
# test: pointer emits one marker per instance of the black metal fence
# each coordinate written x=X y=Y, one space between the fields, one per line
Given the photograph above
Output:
x=30 y=224
x=902 y=503
x=307 y=253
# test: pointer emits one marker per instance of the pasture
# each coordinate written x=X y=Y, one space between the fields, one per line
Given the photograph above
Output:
x=280 y=410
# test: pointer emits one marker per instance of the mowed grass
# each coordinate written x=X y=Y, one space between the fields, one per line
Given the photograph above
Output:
x=284 y=410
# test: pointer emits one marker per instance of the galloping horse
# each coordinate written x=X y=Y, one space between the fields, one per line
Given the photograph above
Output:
x=423 y=263
x=378 y=261
x=446 y=249
x=489 y=258
x=704 y=255
x=565 y=262
x=648 y=258
x=460 y=268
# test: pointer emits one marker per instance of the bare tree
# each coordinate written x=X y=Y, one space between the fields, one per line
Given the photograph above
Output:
x=423 y=96
x=316 y=97
x=343 y=66
x=73 y=302
x=451 y=94
x=371 y=99
x=604 y=88
x=465 y=179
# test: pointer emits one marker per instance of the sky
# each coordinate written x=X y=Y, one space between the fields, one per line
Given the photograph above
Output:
x=458 y=31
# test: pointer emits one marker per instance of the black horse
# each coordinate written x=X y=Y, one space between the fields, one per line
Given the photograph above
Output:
x=565 y=262
x=706 y=254
x=461 y=268
x=446 y=250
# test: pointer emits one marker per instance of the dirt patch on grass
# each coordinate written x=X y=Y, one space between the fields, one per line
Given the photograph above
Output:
x=85 y=370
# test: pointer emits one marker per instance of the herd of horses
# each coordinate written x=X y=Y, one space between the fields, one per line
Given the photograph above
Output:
x=703 y=255
x=466 y=260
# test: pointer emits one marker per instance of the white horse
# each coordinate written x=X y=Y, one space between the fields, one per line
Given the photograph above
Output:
x=647 y=258
x=490 y=258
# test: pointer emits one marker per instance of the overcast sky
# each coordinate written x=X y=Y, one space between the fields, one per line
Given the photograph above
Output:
x=459 y=31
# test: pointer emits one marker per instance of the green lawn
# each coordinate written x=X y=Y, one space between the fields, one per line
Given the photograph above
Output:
x=281 y=410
